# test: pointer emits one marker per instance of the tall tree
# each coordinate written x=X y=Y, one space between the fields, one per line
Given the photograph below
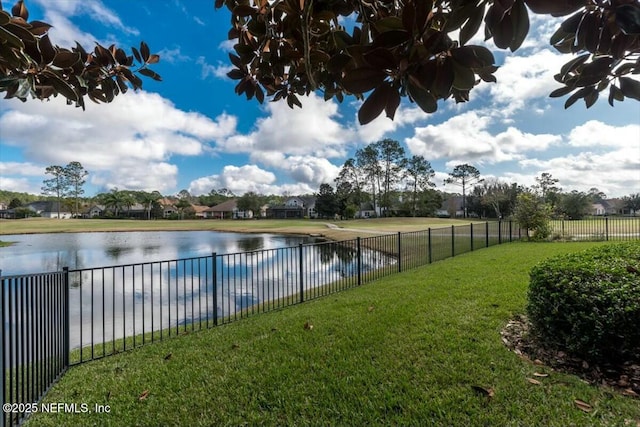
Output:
x=632 y=202
x=251 y=201
x=550 y=192
x=392 y=163
x=76 y=175
x=115 y=199
x=419 y=174
x=326 y=201
x=57 y=186
x=575 y=205
x=421 y=49
x=532 y=213
x=350 y=186
x=367 y=160
x=464 y=175
x=148 y=199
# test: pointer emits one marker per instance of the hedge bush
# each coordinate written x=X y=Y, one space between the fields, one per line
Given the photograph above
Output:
x=588 y=303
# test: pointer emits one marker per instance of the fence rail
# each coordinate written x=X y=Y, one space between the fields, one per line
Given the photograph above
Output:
x=56 y=320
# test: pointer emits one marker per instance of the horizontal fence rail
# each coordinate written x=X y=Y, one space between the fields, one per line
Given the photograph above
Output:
x=55 y=320
x=597 y=228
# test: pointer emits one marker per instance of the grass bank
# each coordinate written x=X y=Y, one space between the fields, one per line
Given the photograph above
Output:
x=342 y=230
x=418 y=348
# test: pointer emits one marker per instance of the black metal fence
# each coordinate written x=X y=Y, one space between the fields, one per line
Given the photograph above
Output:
x=55 y=320
x=597 y=228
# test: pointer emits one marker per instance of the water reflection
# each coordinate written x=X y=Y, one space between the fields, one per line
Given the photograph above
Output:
x=37 y=253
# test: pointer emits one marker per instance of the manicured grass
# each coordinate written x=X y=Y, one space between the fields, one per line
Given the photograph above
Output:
x=405 y=350
x=346 y=229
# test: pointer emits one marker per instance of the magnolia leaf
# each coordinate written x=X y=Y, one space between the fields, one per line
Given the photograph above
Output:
x=583 y=406
x=472 y=26
x=361 y=80
x=147 y=72
x=153 y=59
x=561 y=92
x=520 y=19
x=630 y=88
x=143 y=395
x=486 y=392
x=144 y=52
x=308 y=326
x=374 y=105
x=425 y=100
x=534 y=381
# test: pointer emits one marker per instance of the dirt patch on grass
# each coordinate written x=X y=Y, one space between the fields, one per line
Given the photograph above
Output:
x=624 y=378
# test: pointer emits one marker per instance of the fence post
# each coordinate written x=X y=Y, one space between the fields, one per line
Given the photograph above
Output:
x=606 y=227
x=2 y=353
x=399 y=253
x=214 y=273
x=471 y=233
x=499 y=232
x=66 y=331
x=429 y=244
x=453 y=241
x=359 y=260
x=486 y=233
x=301 y=272
x=510 y=231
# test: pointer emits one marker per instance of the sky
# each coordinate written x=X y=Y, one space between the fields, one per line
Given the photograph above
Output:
x=191 y=131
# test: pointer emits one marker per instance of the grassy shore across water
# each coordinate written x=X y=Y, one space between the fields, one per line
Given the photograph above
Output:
x=340 y=230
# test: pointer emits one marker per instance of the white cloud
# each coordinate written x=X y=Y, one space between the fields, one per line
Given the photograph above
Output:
x=173 y=55
x=237 y=179
x=65 y=33
x=220 y=71
x=466 y=138
x=311 y=130
x=19 y=168
x=524 y=78
x=595 y=133
x=127 y=143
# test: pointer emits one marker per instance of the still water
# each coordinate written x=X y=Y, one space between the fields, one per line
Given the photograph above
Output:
x=125 y=284
x=37 y=253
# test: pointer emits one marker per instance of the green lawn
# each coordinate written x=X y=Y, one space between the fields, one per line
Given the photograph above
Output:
x=346 y=229
x=405 y=350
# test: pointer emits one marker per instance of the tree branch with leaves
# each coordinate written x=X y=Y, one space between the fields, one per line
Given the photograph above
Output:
x=405 y=49
x=31 y=66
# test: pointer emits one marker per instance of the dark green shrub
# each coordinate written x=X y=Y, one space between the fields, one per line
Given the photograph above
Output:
x=588 y=303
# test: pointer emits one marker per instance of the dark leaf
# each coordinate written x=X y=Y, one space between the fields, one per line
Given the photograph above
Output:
x=573 y=64
x=259 y=94
x=573 y=98
x=381 y=58
x=236 y=74
x=20 y=32
x=444 y=78
x=153 y=59
x=144 y=51
x=5 y=18
x=628 y=18
x=243 y=10
x=520 y=19
x=554 y=7
x=391 y=39
x=338 y=62
x=61 y=85
x=10 y=38
x=136 y=54
x=19 y=9
x=235 y=60
x=147 y=72
x=294 y=100
x=615 y=93
x=66 y=59
x=389 y=24
x=630 y=88
x=472 y=26
x=591 y=98
x=561 y=92
x=473 y=56
x=361 y=80
x=464 y=78
x=219 y=4
x=39 y=28
x=423 y=98
x=393 y=102
x=409 y=16
x=374 y=105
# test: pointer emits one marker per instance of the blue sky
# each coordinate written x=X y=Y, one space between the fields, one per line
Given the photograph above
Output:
x=192 y=132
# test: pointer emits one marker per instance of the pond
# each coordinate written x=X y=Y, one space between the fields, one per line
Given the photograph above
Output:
x=124 y=284
x=37 y=253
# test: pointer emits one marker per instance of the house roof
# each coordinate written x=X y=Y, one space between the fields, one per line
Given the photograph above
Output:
x=45 y=206
x=228 y=206
x=200 y=209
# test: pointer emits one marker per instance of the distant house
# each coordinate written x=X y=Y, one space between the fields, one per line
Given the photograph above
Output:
x=366 y=211
x=49 y=209
x=227 y=210
x=168 y=207
x=95 y=211
x=451 y=208
x=610 y=207
x=294 y=207
x=200 y=211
